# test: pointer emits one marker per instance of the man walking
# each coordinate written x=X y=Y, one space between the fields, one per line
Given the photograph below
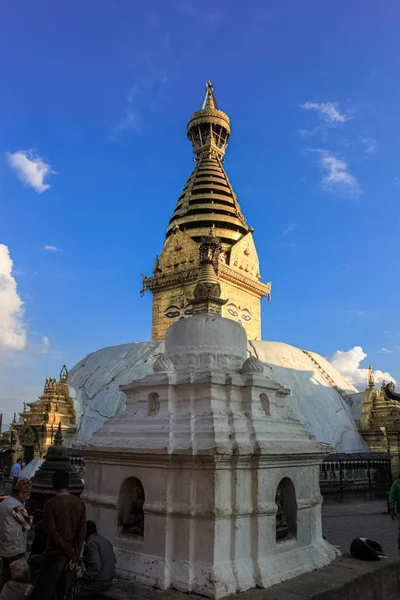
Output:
x=394 y=504
x=99 y=560
x=64 y=524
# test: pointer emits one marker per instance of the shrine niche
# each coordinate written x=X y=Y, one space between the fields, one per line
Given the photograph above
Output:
x=130 y=508
x=37 y=425
x=286 y=515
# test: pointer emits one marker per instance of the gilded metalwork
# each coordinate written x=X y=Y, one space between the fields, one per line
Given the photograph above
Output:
x=207 y=292
x=380 y=420
x=36 y=427
x=207 y=201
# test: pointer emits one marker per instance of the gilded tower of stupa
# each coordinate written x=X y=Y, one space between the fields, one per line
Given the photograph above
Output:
x=207 y=204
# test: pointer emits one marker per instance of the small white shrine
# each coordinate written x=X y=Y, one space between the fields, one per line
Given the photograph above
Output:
x=206 y=483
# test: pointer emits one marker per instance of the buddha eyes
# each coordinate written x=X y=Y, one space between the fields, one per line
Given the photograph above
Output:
x=234 y=311
x=174 y=312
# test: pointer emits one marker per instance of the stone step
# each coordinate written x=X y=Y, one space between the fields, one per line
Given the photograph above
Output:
x=345 y=579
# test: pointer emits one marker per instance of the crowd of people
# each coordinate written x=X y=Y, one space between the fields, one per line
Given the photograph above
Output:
x=68 y=560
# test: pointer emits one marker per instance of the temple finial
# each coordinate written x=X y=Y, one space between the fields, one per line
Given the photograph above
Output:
x=209 y=99
x=371 y=378
x=64 y=374
x=209 y=128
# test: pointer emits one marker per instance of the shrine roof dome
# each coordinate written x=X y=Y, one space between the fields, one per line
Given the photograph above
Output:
x=318 y=395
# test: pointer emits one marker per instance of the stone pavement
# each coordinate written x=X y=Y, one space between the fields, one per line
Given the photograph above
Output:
x=345 y=579
x=343 y=522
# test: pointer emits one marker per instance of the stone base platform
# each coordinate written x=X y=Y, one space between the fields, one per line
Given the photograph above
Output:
x=345 y=579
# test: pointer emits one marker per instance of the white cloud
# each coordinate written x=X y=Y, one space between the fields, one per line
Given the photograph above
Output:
x=348 y=364
x=12 y=326
x=369 y=145
x=289 y=229
x=328 y=112
x=337 y=179
x=144 y=94
x=51 y=248
x=31 y=169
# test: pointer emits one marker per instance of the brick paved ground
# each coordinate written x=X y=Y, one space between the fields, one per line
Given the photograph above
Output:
x=343 y=522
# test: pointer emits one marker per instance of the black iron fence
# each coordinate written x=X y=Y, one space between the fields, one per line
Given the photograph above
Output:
x=366 y=473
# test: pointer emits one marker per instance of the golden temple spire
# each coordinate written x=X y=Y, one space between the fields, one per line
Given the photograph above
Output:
x=207 y=208
x=209 y=99
x=371 y=379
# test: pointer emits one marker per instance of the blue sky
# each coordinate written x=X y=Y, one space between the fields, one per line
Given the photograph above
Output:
x=95 y=100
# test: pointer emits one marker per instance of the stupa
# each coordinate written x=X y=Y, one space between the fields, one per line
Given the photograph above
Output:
x=186 y=482
x=56 y=459
x=321 y=398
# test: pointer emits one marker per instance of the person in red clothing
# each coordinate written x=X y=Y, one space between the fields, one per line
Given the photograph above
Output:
x=64 y=524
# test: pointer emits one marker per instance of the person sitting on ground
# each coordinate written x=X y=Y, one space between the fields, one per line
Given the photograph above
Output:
x=18 y=587
x=394 y=504
x=65 y=528
x=14 y=525
x=99 y=561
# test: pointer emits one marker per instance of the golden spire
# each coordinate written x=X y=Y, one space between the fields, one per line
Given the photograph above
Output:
x=209 y=99
x=371 y=379
x=207 y=293
x=208 y=196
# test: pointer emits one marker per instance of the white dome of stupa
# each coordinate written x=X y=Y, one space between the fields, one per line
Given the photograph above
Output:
x=317 y=390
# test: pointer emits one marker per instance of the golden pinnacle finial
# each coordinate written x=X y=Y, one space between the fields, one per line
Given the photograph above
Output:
x=209 y=128
x=209 y=99
x=371 y=379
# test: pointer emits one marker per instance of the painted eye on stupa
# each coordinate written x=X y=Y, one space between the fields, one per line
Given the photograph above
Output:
x=232 y=310
x=188 y=311
x=246 y=315
x=172 y=312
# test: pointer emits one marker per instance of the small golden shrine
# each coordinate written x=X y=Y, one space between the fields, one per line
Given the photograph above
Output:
x=34 y=432
x=380 y=422
x=207 y=202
